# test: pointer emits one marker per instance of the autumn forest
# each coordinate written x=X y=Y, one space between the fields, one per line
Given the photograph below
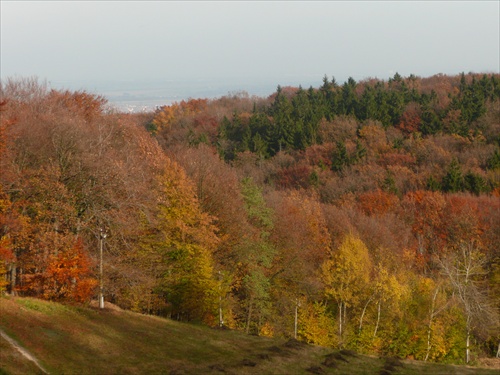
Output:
x=361 y=215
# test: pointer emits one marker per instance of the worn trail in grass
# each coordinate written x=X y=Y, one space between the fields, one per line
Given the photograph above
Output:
x=75 y=340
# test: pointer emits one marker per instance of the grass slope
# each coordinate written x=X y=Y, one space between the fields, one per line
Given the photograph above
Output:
x=75 y=340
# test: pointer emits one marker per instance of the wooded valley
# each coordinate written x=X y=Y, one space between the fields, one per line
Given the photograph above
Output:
x=362 y=215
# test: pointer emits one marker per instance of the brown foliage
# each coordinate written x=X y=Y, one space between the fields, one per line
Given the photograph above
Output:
x=294 y=177
x=377 y=202
x=302 y=238
x=374 y=138
x=396 y=159
x=339 y=130
x=410 y=119
x=80 y=103
x=319 y=155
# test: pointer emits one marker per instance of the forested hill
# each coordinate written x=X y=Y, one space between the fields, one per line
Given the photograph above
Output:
x=362 y=215
x=372 y=127
x=296 y=119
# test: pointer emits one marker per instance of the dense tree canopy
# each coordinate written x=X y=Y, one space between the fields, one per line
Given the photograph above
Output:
x=368 y=212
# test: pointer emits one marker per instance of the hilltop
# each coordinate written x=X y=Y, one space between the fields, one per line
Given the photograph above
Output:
x=77 y=340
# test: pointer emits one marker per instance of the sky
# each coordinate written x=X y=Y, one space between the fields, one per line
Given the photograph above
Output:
x=245 y=42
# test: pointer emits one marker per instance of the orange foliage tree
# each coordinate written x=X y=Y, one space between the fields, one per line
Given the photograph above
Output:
x=68 y=275
x=377 y=202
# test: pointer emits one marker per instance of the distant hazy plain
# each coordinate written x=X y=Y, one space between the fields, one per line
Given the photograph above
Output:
x=138 y=96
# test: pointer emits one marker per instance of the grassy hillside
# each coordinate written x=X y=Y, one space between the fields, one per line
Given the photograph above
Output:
x=75 y=340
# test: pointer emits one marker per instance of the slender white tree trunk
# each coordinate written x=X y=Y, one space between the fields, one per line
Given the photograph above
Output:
x=378 y=319
x=467 y=350
x=363 y=315
x=340 y=321
x=221 y=321
x=429 y=327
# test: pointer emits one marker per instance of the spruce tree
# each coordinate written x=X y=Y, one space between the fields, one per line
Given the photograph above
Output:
x=453 y=181
x=340 y=158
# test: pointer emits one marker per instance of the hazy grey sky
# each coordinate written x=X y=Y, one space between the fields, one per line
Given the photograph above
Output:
x=240 y=41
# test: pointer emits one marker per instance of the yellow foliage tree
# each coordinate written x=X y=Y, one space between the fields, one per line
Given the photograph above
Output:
x=317 y=326
x=346 y=276
x=386 y=290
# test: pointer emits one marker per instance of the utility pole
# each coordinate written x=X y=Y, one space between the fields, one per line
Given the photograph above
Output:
x=102 y=236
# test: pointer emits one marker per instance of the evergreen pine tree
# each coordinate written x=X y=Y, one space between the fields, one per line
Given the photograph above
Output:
x=433 y=184
x=283 y=132
x=494 y=160
x=453 y=181
x=430 y=122
x=340 y=158
x=475 y=183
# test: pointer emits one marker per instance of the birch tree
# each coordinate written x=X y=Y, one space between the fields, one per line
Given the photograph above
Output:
x=347 y=277
x=465 y=271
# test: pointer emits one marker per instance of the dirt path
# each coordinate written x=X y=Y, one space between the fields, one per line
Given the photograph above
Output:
x=23 y=351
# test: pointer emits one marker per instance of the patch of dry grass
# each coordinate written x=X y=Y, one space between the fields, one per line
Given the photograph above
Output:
x=75 y=340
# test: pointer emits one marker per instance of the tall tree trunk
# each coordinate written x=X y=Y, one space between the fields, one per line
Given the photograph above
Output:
x=340 y=321
x=221 y=321
x=467 y=340
x=363 y=315
x=378 y=319
x=467 y=350
x=429 y=327
x=13 y=280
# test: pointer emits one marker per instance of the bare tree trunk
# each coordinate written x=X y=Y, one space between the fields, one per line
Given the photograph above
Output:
x=467 y=350
x=221 y=321
x=363 y=315
x=498 y=351
x=13 y=280
x=463 y=268
x=429 y=327
x=340 y=321
x=378 y=319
